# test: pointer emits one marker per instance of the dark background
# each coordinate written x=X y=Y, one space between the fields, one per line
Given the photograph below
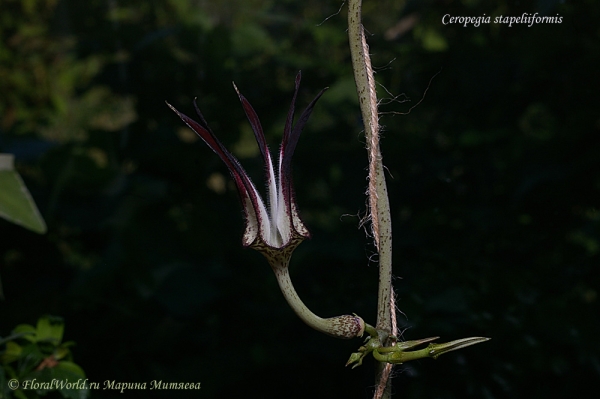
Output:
x=494 y=184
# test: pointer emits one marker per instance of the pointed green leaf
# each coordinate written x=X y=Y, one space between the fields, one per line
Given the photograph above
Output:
x=439 y=349
x=16 y=204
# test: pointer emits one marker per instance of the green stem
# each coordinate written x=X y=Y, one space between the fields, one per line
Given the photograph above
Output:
x=346 y=326
x=397 y=354
x=378 y=197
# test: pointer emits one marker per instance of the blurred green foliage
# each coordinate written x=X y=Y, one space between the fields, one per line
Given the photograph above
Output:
x=16 y=204
x=494 y=187
x=40 y=362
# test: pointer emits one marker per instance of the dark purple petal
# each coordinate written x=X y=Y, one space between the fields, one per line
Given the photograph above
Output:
x=264 y=149
x=246 y=188
x=255 y=124
x=288 y=145
x=287 y=130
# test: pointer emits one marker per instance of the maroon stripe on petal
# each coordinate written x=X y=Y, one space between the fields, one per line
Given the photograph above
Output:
x=290 y=117
x=255 y=124
x=246 y=188
x=206 y=134
x=288 y=148
x=264 y=149
x=288 y=151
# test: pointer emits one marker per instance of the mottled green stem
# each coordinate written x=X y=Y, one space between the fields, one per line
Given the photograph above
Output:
x=378 y=197
x=345 y=327
x=398 y=354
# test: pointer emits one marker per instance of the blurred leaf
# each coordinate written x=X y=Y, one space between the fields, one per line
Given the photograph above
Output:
x=20 y=394
x=50 y=328
x=16 y=204
x=27 y=331
x=12 y=352
x=586 y=241
x=431 y=39
x=70 y=368
x=98 y=108
x=252 y=39
x=31 y=356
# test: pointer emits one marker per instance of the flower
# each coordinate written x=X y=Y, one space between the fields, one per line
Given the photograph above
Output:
x=276 y=226
x=275 y=230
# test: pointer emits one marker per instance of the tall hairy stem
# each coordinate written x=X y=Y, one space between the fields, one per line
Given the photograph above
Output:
x=379 y=208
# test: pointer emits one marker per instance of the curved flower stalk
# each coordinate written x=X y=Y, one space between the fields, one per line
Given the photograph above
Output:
x=275 y=229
